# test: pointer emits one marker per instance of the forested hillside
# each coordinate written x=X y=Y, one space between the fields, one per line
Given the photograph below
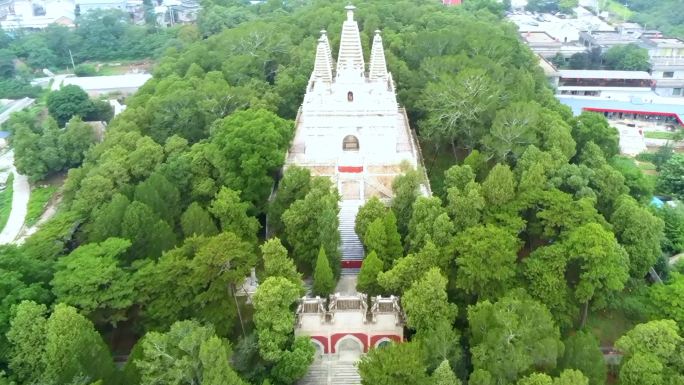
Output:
x=536 y=236
x=664 y=15
x=101 y=35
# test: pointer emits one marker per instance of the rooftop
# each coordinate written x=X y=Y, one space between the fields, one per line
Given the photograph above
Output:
x=636 y=104
x=108 y=82
x=537 y=37
x=601 y=74
x=667 y=42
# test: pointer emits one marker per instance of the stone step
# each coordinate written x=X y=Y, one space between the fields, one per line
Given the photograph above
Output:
x=350 y=271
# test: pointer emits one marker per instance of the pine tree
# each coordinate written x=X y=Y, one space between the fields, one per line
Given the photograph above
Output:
x=197 y=221
x=107 y=220
x=277 y=263
x=368 y=276
x=383 y=237
x=394 y=249
x=443 y=375
x=323 y=280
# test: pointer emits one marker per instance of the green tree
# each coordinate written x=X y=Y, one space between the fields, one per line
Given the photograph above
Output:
x=75 y=140
x=429 y=221
x=148 y=234
x=311 y=223
x=443 y=375
x=397 y=364
x=323 y=278
x=69 y=101
x=107 y=220
x=628 y=57
x=639 y=232
x=458 y=177
x=367 y=281
x=232 y=213
x=512 y=336
x=666 y=299
x=640 y=186
x=486 y=258
x=383 y=238
x=7 y=58
x=410 y=268
x=26 y=336
x=161 y=196
x=406 y=191
x=673 y=219
x=593 y=127
x=603 y=263
x=277 y=263
x=458 y=108
x=81 y=275
x=571 y=377
x=195 y=220
x=220 y=263
x=273 y=318
x=371 y=210
x=294 y=186
x=512 y=131
x=670 y=177
x=187 y=353
x=64 y=348
x=465 y=206
x=426 y=303
x=499 y=187
x=250 y=146
x=583 y=353
x=652 y=354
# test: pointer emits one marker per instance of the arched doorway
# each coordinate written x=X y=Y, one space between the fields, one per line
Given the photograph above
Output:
x=349 y=348
x=320 y=350
x=350 y=143
x=350 y=96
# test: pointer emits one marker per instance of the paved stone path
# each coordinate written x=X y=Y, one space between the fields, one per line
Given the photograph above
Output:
x=20 y=198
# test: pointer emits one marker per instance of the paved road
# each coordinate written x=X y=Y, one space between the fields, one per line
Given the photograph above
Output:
x=20 y=199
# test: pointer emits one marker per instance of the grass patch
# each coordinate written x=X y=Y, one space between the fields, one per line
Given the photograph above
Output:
x=659 y=135
x=609 y=325
x=616 y=9
x=39 y=198
x=6 y=201
x=646 y=166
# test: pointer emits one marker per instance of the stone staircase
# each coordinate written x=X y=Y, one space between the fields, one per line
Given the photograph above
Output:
x=345 y=373
x=329 y=371
x=352 y=249
x=317 y=374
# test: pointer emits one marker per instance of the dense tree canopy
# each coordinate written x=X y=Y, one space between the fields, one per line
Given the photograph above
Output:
x=529 y=235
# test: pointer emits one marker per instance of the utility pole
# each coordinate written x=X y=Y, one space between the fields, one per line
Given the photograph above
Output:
x=72 y=60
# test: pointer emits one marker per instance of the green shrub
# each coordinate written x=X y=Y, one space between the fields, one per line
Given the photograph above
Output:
x=85 y=70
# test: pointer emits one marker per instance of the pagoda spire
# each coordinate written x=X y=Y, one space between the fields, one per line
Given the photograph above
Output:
x=324 y=37
x=350 y=58
x=323 y=65
x=378 y=65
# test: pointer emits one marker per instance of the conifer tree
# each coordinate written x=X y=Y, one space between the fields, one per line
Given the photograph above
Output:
x=383 y=237
x=443 y=375
x=369 y=212
x=394 y=249
x=368 y=276
x=323 y=280
x=197 y=221
x=277 y=263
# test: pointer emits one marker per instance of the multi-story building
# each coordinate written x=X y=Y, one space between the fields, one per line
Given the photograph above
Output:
x=600 y=83
x=667 y=64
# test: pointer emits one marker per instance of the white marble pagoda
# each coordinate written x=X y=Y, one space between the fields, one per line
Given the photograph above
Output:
x=350 y=126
